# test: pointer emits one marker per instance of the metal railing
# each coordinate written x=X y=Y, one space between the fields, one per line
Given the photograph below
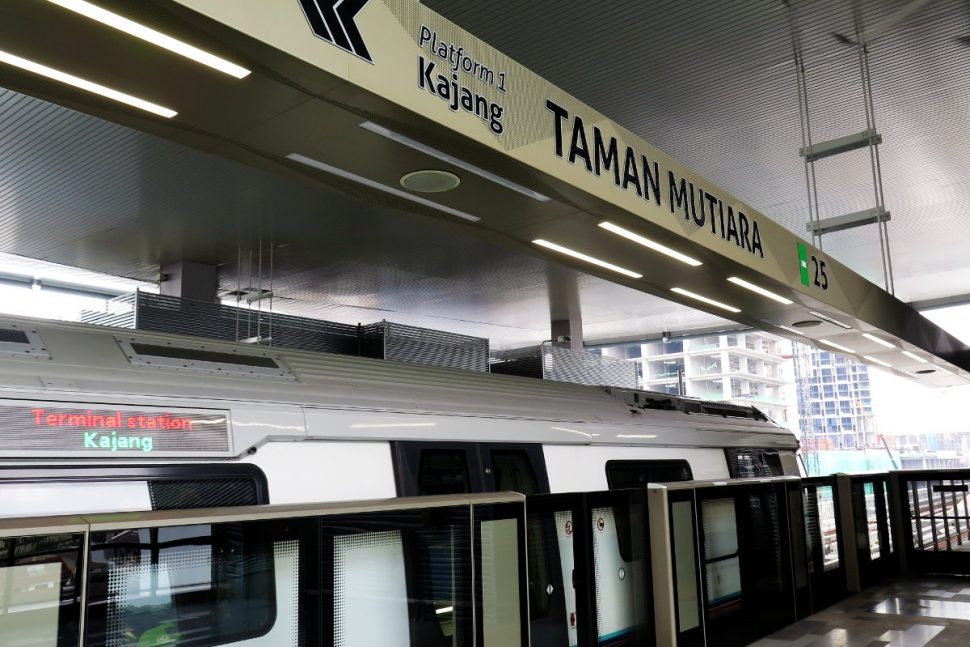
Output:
x=933 y=519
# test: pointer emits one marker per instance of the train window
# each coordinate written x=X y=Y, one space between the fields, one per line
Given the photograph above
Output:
x=722 y=567
x=499 y=560
x=683 y=540
x=621 y=475
x=612 y=555
x=754 y=463
x=403 y=586
x=443 y=471
x=39 y=589
x=196 y=585
x=512 y=470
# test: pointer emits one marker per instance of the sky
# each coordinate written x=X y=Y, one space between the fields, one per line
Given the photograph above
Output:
x=900 y=405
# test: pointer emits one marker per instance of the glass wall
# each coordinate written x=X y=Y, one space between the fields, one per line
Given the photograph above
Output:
x=424 y=575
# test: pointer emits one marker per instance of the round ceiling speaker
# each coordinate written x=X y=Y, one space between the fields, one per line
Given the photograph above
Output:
x=430 y=181
x=807 y=323
x=926 y=371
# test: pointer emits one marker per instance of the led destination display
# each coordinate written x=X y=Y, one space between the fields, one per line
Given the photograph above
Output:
x=41 y=428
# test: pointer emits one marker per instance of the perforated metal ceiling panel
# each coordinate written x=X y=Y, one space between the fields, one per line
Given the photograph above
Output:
x=88 y=193
x=713 y=84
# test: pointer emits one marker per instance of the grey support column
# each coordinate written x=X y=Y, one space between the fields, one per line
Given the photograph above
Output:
x=565 y=313
x=188 y=280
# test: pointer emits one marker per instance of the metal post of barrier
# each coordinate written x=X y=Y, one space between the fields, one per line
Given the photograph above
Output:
x=898 y=505
x=665 y=616
x=853 y=578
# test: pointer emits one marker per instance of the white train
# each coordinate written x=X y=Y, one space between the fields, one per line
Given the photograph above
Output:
x=127 y=420
x=96 y=419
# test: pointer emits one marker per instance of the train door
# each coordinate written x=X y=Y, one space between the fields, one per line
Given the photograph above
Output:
x=521 y=468
x=427 y=469
x=423 y=468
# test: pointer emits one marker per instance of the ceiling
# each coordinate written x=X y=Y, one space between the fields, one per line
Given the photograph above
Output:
x=88 y=192
x=93 y=194
x=713 y=84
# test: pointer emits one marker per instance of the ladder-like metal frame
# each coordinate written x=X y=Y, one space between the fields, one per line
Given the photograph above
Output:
x=869 y=138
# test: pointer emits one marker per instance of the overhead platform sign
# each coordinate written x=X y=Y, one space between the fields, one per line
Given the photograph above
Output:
x=595 y=195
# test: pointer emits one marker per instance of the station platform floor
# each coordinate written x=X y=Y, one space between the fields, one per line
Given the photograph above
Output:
x=904 y=612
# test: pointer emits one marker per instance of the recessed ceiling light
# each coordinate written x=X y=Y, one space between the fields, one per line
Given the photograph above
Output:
x=703 y=299
x=832 y=344
x=430 y=181
x=807 y=323
x=404 y=195
x=148 y=34
x=585 y=257
x=877 y=361
x=451 y=159
x=915 y=357
x=830 y=319
x=878 y=340
x=649 y=244
x=760 y=290
x=84 y=84
x=791 y=330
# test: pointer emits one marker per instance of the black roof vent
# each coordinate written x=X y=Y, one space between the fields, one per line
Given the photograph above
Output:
x=204 y=359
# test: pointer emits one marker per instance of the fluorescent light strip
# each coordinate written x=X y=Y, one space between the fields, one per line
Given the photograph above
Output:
x=830 y=319
x=760 y=290
x=693 y=295
x=454 y=161
x=832 y=344
x=916 y=357
x=353 y=177
x=649 y=244
x=791 y=330
x=878 y=340
x=589 y=259
x=942 y=370
x=84 y=84
x=444 y=610
x=877 y=361
x=148 y=34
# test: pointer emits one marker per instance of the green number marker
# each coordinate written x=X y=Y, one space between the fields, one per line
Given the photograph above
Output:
x=803 y=263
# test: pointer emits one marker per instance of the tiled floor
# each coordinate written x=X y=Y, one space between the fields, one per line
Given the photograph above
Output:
x=930 y=612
